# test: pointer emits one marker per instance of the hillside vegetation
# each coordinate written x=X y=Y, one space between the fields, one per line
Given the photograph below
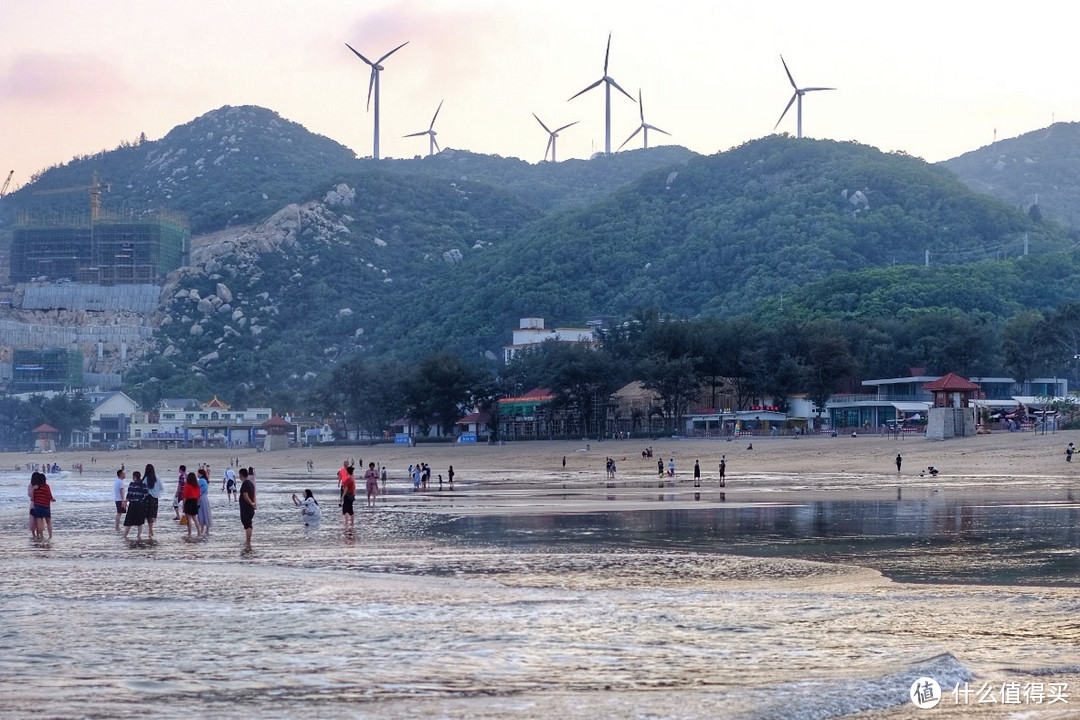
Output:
x=319 y=259
x=1040 y=168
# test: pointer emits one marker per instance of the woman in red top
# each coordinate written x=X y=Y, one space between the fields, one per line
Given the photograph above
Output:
x=43 y=499
x=192 y=493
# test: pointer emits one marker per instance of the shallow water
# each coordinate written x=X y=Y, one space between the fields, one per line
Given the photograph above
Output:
x=711 y=612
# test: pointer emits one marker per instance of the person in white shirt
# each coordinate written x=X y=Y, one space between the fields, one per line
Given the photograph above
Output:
x=118 y=497
x=310 y=512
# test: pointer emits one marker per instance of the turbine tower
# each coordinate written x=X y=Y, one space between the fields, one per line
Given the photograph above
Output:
x=608 y=82
x=430 y=132
x=644 y=126
x=552 y=134
x=373 y=87
x=799 y=92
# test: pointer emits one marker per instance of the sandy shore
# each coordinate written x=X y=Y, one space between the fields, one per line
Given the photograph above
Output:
x=1011 y=463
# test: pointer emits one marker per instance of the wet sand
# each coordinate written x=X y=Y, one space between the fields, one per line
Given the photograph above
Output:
x=1000 y=464
x=437 y=628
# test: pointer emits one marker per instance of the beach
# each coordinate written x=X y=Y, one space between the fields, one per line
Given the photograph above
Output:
x=816 y=583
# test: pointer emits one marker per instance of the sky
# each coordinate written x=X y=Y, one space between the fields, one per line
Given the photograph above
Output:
x=933 y=79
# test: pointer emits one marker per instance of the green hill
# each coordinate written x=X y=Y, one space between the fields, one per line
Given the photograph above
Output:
x=317 y=256
x=1040 y=167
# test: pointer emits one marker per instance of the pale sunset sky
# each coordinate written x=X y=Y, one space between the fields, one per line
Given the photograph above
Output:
x=934 y=79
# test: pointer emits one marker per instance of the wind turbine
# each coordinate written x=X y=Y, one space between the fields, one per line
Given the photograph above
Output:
x=373 y=86
x=552 y=134
x=430 y=132
x=608 y=82
x=799 y=92
x=644 y=126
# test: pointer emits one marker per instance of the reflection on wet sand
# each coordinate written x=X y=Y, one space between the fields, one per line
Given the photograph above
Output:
x=483 y=605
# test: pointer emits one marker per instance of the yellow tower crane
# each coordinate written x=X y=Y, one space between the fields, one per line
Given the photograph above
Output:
x=95 y=188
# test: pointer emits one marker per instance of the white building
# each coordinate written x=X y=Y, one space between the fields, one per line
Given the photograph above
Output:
x=531 y=332
x=186 y=421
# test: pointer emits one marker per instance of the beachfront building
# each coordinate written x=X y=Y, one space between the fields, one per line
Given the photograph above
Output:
x=531 y=333
x=904 y=402
x=528 y=416
x=186 y=422
x=110 y=418
x=474 y=427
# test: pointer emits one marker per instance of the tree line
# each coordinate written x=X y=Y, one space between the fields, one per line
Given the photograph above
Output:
x=688 y=361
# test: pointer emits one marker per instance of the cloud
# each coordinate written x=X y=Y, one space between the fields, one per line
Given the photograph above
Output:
x=40 y=77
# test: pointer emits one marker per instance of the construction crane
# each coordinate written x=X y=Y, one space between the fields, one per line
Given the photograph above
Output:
x=95 y=189
x=7 y=183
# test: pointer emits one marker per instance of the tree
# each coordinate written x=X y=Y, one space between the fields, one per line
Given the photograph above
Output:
x=582 y=379
x=1024 y=350
x=439 y=391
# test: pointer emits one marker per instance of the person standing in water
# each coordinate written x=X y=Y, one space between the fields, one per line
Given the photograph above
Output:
x=42 y=510
x=348 y=497
x=899 y=460
x=371 y=484
x=153 y=496
x=247 y=505
x=697 y=474
x=136 y=505
x=118 y=497
x=723 y=470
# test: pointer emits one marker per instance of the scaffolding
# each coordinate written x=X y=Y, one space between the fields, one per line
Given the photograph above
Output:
x=52 y=369
x=109 y=250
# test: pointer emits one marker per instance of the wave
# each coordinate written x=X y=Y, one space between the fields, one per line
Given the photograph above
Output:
x=822 y=699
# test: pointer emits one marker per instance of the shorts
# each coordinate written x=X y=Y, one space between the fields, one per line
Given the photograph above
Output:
x=119 y=506
x=191 y=506
x=347 y=504
x=41 y=511
x=247 y=515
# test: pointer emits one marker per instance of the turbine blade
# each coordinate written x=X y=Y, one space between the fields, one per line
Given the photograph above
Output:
x=560 y=129
x=551 y=141
x=632 y=136
x=641 y=106
x=813 y=89
x=436 y=114
x=357 y=52
x=435 y=143
x=379 y=62
x=612 y=81
x=542 y=123
x=416 y=134
x=587 y=89
x=653 y=127
x=790 y=103
x=607 y=53
x=371 y=85
x=790 y=79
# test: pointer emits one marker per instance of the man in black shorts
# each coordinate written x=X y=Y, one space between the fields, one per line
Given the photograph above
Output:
x=247 y=505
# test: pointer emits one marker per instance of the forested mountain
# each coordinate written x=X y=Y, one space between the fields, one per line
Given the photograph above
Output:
x=1040 y=168
x=230 y=166
x=319 y=258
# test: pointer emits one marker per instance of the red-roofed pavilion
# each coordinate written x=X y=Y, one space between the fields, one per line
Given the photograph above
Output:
x=45 y=437
x=951 y=390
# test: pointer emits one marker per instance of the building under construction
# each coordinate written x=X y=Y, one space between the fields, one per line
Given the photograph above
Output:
x=51 y=369
x=103 y=250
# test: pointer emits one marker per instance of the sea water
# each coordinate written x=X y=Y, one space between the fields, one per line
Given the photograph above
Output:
x=723 y=610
